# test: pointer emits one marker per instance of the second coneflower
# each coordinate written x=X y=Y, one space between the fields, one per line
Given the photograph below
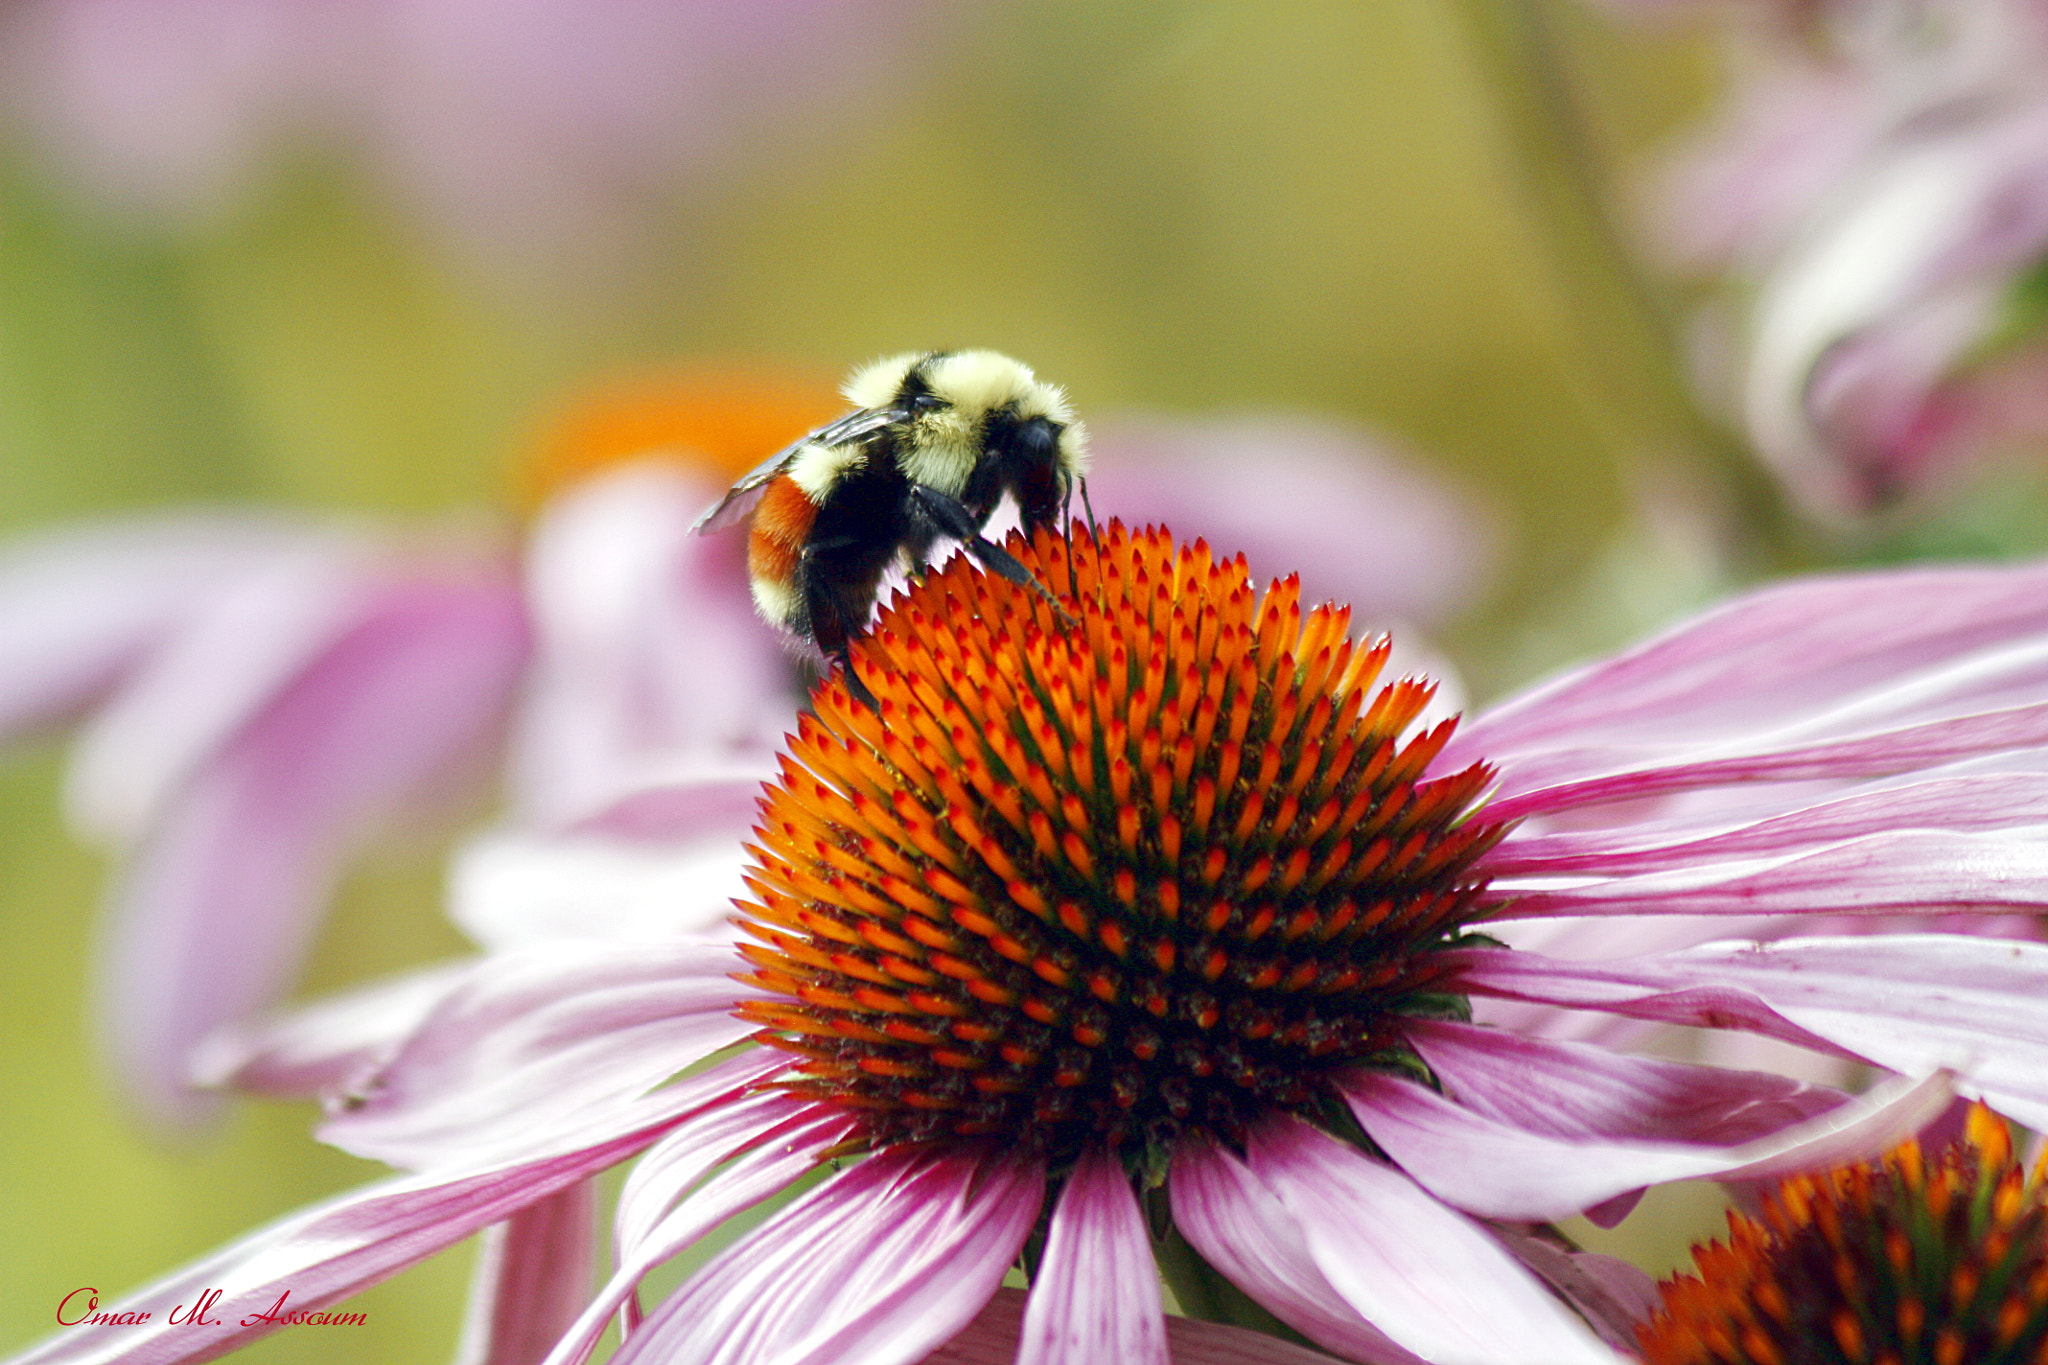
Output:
x=1160 y=932
x=1912 y=1259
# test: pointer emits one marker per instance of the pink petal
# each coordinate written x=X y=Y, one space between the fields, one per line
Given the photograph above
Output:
x=1241 y=1228
x=1912 y=871
x=881 y=1263
x=1536 y=788
x=517 y=889
x=991 y=1339
x=1317 y=483
x=217 y=907
x=80 y=608
x=1567 y=1089
x=1498 y=1170
x=321 y=1256
x=734 y=1156
x=1910 y=645
x=1096 y=1294
x=1613 y=1296
x=545 y=1041
x=234 y=652
x=531 y=1280
x=649 y=644
x=1428 y=1277
x=1914 y=1003
x=1965 y=802
x=325 y=1047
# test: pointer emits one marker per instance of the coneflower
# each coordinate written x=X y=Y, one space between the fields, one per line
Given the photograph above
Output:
x=1157 y=932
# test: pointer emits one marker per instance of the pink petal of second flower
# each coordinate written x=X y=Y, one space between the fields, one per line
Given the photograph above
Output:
x=879 y=1264
x=1428 y=1277
x=1096 y=1295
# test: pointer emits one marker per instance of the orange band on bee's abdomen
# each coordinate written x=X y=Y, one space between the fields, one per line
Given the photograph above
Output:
x=782 y=520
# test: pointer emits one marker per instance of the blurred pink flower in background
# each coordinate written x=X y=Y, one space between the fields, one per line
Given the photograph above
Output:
x=525 y=131
x=1864 y=746
x=1873 y=197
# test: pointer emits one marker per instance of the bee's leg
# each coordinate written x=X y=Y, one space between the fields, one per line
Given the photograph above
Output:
x=835 y=610
x=954 y=520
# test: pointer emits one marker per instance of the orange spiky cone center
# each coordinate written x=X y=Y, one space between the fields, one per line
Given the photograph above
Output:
x=1166 y=863
x=1900 y=1261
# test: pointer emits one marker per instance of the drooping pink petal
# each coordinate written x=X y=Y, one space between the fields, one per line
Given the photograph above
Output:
x=1247 y=1235
x=877 y=1266
x=991 y=1339
x=544 y=1040
x=1906 y=645
x=80 y=607
x=320 y=1256
x=217 y=906
x=692 y=1181
x=1427 y=1276
x=1096 y=1294
x=323 y=1048
x=531 y=1280
x=1977 y=1007
x=1499 y=1170
x=649 y=646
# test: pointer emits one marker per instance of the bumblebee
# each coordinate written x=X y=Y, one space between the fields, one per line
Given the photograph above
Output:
x=936 y=440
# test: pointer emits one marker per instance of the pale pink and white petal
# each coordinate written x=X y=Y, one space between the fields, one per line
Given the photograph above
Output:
x=532 y=1278
x=878 y=1266
x=1426 y=1275
x=80 y=608
x=1975 y=1007
x=548 y=1040
x=1241 y=1228
x=513 y=889
x=1496 y=1169
x=1902 y=646
x=710 y=1167
x=991 y=1339
x=1096 y=1294
x=217 y=906
x=649 y=645
x=326 y=1047
x=322 y=1255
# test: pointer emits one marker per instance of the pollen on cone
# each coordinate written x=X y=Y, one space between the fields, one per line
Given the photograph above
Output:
x=1162 y=856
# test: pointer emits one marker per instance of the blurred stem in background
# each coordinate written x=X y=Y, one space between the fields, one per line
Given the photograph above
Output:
x=1627 y=333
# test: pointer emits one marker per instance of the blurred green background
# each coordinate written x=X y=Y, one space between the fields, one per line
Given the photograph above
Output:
x=1355 y=210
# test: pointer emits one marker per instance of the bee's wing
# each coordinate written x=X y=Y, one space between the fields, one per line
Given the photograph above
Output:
x=739 y=500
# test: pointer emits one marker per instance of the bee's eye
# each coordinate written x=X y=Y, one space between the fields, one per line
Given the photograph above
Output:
x=925 y=402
